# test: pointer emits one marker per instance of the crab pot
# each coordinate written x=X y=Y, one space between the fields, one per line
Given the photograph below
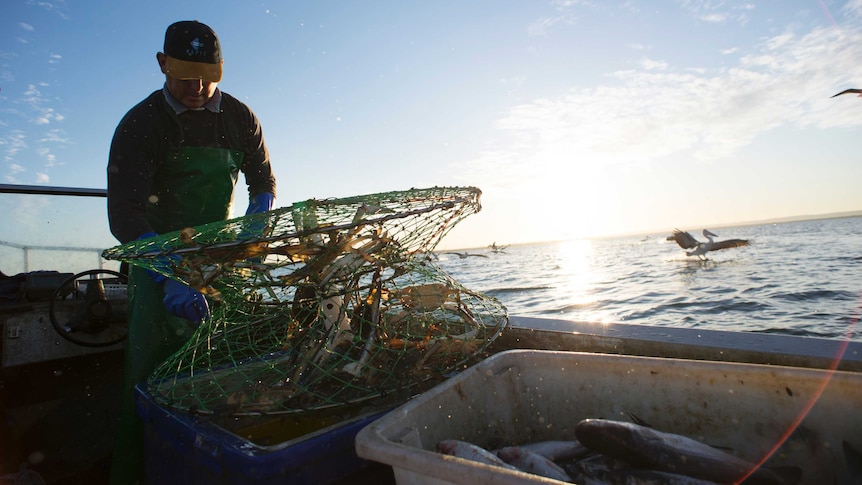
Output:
x=523 y=396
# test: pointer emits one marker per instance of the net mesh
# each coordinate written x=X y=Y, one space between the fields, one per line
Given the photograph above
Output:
x=319 y=305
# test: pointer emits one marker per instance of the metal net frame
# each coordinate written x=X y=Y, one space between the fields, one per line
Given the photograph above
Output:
x=319 y=305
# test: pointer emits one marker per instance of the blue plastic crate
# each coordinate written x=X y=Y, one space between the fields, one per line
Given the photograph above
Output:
x=187 y=449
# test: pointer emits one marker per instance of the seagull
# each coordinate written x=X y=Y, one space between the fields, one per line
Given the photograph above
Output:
x=686 y=241
x=856 y=91
x=465 y=255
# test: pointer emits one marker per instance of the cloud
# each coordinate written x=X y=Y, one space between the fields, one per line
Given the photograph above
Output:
x=853 y=8
x=543 y=26
x=56 y=135
x=569 y=3
x=45 y=154
x=27 y=27
x=12 y=174
x=564 y=15
x=36 y=102
x=12 y=143
x=658 y=110
x=58 y=7
x=718 y=11
x=652 y=65
x=32 y=92
x=31 y=147
x=646 y=124
x=715 y=18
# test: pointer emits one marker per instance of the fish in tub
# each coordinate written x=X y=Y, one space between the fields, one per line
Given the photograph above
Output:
x=790 y=422
x=615 y=452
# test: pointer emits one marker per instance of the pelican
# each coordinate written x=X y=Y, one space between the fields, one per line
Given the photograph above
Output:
x=465 y=255
x=856 y=91
x=497 y=249
x=686 y=241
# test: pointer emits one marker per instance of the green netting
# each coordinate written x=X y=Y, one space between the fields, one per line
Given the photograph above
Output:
x=320 y=304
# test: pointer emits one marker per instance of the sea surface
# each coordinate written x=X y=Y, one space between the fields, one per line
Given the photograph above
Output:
x=796 y=278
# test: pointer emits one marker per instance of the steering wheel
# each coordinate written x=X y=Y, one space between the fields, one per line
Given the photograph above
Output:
x=91 y=311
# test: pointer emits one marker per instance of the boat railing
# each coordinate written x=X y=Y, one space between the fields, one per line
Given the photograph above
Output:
x=64 y=253
x=28 y=250
x=48 y=190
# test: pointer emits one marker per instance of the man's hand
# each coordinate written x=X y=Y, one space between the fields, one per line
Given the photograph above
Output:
x=163 y=264
x=180 y=299
x=261 y=203
x=186 y=302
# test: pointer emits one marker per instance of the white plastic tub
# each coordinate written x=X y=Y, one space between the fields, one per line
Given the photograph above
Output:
x=523 y=396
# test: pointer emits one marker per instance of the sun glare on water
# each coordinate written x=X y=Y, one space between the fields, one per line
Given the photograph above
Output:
x=576 y=260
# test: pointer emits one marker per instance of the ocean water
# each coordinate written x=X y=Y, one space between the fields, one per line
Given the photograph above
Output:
x=796 y=278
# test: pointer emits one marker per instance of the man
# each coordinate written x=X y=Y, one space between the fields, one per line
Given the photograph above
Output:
x=174 y=161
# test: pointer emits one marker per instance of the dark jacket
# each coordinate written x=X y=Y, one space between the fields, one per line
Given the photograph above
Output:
x=152 y=131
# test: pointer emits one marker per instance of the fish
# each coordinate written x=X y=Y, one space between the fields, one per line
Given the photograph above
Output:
x=530 y=462
x=644 y=447
x=558 y=450
x=469 y=451
x=355 y=368
x=592 y=469
x=335 y=317
x=602 y=470
x=637 y=420
x=650 y=477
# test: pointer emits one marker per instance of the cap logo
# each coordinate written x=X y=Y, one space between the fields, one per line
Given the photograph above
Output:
x=196 y=45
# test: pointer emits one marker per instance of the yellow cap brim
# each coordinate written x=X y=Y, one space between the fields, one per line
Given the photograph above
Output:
x=179 y=69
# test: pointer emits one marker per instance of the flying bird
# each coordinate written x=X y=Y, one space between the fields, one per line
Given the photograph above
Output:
x=497 y=249
x=855 y=91
x=699 y=249
x=465 y=255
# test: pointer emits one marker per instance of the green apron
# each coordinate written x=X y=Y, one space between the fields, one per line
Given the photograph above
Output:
x=192 y=188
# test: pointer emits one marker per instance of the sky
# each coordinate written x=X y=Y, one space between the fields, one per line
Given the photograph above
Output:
x=575 y=118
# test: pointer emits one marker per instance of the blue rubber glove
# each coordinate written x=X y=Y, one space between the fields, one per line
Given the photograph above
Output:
x=180 y=299
x=186 y=302
x=164 y=263
x=260 y=203
x=254 y=228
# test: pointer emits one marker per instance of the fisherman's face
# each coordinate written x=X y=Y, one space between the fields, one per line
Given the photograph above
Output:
x=191 y=93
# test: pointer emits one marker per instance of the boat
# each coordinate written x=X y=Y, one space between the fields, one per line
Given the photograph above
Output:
x=60 y=385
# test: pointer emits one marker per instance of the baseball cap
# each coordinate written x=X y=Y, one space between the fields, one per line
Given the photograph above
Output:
x=193 y=52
